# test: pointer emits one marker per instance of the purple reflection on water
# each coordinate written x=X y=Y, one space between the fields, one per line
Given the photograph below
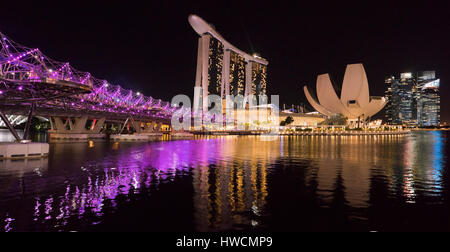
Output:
x=122 y=174
x=8 y=222
x=230 y=183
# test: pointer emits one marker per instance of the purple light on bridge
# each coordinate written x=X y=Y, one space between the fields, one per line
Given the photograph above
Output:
x=31 y=66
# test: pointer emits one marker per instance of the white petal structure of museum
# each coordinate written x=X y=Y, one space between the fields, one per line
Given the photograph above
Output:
x=355 y=101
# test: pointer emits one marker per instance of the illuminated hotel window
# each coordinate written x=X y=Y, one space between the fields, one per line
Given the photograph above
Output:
x=215 y=66
x=259 y=75
x=237 y=74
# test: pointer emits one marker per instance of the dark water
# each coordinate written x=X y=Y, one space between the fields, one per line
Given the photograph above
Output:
x=320 y=183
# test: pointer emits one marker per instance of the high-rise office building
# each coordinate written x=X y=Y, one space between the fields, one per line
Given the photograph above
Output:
x=223 y=69
x=392 y=105
x=413 y=100
x=428 y=102
x=401 y=107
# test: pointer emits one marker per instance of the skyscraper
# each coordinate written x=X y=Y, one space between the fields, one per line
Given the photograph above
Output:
x=413 y=100
x=407 y=87
x=391 y=109
x=401 y=107
x=428 y=102
x=223 y=69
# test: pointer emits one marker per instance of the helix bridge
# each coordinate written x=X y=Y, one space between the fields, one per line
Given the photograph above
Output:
x=28 y=78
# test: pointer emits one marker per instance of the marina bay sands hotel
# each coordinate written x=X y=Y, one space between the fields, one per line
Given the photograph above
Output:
x=223 y=69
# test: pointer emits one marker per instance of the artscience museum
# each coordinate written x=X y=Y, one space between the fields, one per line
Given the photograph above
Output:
x=355 y=103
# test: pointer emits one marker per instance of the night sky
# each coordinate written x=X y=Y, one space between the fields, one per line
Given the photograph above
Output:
x=152 y=48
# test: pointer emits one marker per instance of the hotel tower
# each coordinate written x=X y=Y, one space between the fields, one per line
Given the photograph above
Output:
x=223 y=69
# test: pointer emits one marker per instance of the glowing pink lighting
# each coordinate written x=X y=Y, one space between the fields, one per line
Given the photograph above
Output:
x=34 y=66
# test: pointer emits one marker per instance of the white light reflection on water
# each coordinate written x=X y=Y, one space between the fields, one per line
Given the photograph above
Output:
x=235 y=180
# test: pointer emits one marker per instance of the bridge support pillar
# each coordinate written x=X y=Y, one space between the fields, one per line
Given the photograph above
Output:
x=80 y=124
x=26 y=134
x=150 y=131
x=76 y=128
x=137 y=126
x=180 y=134
x=158 y=127
x=99 y=125
x=147 y=128
x=153 y=126
x=59 y=125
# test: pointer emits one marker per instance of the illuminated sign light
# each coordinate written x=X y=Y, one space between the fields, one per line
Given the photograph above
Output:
x=406 y=75
x=431 y=84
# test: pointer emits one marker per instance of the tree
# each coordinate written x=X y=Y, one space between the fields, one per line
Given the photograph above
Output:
x=287 y=121
x=336 y=119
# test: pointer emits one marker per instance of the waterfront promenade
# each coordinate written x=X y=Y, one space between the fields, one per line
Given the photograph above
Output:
x=308 y=133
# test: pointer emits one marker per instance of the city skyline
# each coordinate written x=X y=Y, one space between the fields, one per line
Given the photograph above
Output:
x=171 y=117
x=298 y=56
x=413 y=99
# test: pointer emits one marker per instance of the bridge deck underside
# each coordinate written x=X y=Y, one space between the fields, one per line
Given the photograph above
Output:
x=19 y=91
x=61 y=112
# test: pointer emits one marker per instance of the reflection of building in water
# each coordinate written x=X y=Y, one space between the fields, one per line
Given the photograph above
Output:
x=229 y=180
x=97 y=184
x=425 y=163
x=336 y=158
x=233 y=191
x=345 y=160
x=230 y=177
x=359 y=161
x=415 y=170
